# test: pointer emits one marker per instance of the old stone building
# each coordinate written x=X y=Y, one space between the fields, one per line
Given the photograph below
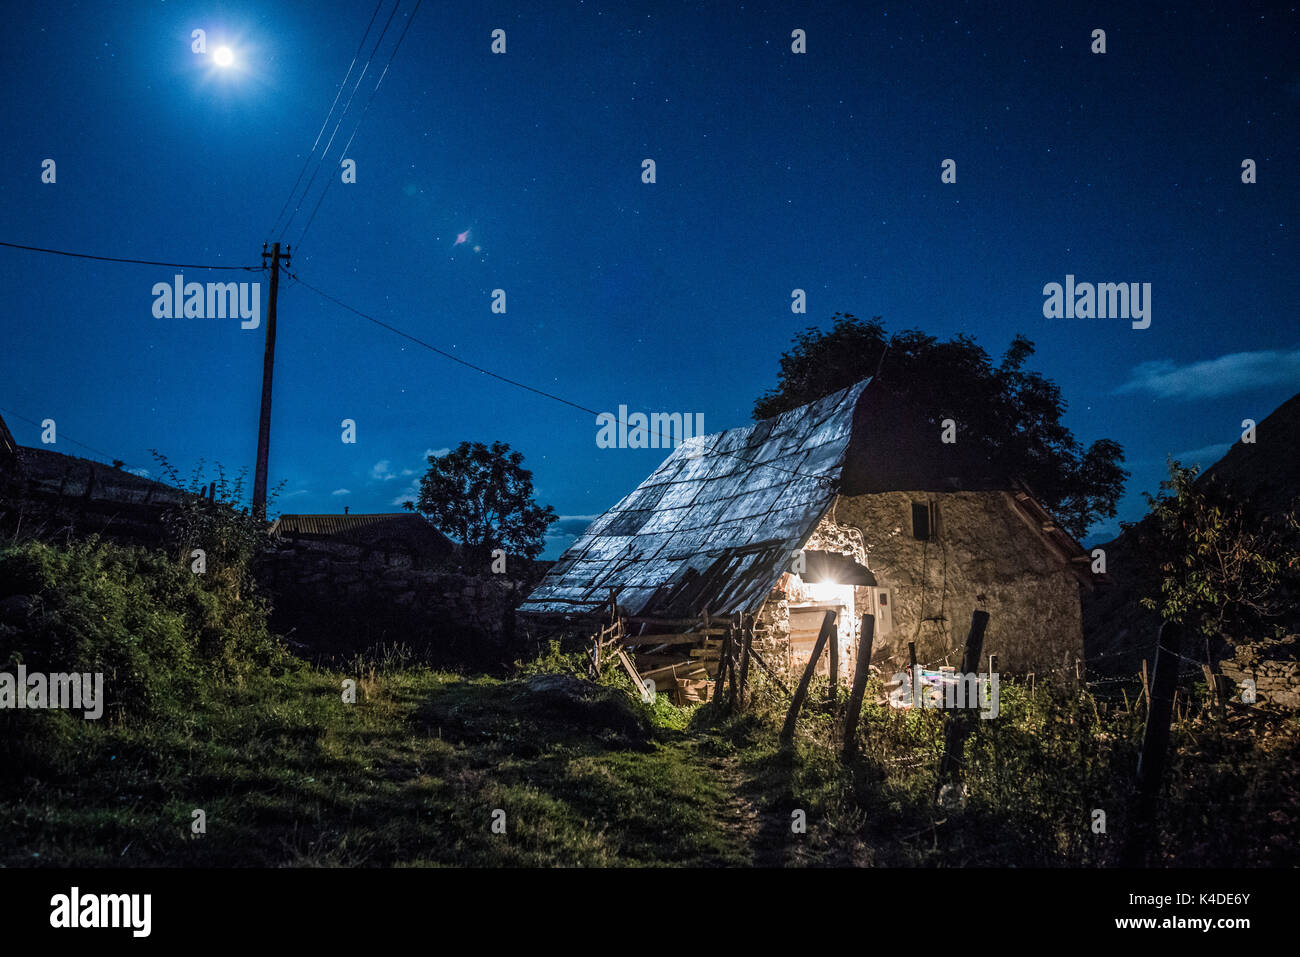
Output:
x=851 y=504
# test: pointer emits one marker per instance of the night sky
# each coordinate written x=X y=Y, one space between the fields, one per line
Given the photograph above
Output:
x=775 y=171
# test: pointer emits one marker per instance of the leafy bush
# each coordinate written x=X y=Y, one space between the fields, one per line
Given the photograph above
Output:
x=1225 y=571
x=230 y=533
x=157 y=631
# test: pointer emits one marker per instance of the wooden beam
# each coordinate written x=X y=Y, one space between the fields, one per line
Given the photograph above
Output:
x=631 y=673
x=753 y=652
x=792 y=716
x=861 y=672
x=692 y=623
x=1161 y=692
x=681 y=670
x=748 y=641
x=679 y=639
x=722 y=671
x=957 y=725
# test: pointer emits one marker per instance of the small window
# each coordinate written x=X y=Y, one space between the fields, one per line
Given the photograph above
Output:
x=924 y=521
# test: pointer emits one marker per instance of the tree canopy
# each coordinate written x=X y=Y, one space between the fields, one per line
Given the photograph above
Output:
x=483 y=496
x=1225 y=571
x=1011 y=414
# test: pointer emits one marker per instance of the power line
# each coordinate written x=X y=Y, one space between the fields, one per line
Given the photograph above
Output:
x=115 y=259
x=339 y=122
x=521 y=385
x=364 y=111
x=325 y=122
x=441 y=352
x=64 y=436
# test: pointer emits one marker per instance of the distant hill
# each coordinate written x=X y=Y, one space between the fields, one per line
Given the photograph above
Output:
x=1118 y=632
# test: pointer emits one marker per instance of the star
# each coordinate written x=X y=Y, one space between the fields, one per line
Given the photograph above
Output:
x=461 y=238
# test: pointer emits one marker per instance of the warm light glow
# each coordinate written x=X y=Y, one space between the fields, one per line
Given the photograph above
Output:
x=223 y=56
x=827 y=591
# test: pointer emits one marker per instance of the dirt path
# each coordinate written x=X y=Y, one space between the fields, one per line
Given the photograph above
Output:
x=763 y=831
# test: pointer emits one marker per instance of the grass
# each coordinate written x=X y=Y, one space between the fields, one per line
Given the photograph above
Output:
x=208 y=713
x=1036 y=778
x=287 y=774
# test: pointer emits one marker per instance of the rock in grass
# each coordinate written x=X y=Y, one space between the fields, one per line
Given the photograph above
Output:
x=585 y=705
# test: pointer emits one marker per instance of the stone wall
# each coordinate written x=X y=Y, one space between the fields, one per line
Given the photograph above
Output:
x=982 y=547
x=1274 y=666
x=337 y=598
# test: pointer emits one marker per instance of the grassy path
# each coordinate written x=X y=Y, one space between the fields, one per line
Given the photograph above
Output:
x=429 y=769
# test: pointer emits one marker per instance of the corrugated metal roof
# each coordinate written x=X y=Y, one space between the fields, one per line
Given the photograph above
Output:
x=361 y=526
x=711 y=528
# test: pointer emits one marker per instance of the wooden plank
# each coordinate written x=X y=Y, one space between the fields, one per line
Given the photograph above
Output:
x=834 y=667
x=679 y=670
x=722 y=671
x=747 y=642
x=1155 y=742
x=663 y=639
x=792 y=716
x=645 y=663
x=956 y=725
x=692 y=623
x=631 y=673
x=753 y=652
x=861 y=672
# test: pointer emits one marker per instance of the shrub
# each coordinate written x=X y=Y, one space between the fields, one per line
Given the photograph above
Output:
x=158 y=632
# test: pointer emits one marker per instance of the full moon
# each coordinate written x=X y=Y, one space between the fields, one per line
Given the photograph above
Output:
x=223 y=56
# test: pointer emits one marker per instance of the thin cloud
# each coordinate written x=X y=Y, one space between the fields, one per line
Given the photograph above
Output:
x=1226 y=375
x=570 y=526
x=382 y=471
x=410 y=494
x=1205 y=456
x=341 y=491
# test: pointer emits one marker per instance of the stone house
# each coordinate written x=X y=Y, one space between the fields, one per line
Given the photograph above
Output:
x=851 y=504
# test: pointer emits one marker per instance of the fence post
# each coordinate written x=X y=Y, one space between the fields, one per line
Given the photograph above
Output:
x=792 y=716
x=722 y=667
x=747 y=641
x=732 y=655
x=1155 y=742
x=834 y=669
x=955 y=726
x=861 y=671
x=913 y=676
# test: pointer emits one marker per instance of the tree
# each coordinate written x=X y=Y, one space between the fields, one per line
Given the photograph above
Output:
x=1012 y=416
x=484 y=497
x=1224 y=570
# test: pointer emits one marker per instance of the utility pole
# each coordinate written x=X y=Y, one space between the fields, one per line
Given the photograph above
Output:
x=268 y=367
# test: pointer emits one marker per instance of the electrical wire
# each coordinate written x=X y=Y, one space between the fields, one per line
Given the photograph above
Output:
x=116 y=259
x=325 y=122
x=364 y=111
x=339 y=122
x=525 y=386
